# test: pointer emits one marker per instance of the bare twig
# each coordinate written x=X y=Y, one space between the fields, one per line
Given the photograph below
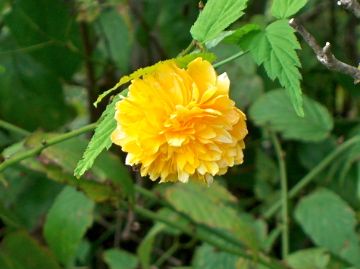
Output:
x=324 y=55
x=351 y=5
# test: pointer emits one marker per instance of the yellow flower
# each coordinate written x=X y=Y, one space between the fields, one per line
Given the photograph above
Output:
x=180 y=124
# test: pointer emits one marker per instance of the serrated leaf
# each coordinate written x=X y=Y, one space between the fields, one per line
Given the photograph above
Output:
x=239 y=33
x=215 y=208
x=181 y=61
x=120 y=259
x=66 y=223
x=275 y=111
x=100 y=140
x=330 y=223
x=219 y=38
x=19 y=250
x=275 y=49
x=282 y=9
x=215 y=17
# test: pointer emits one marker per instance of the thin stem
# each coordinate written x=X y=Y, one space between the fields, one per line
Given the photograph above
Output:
x=46 y=143
x=194 y=231
x=189 y=48
x=229 y=59
x=313 y=173
x=167 y=254
x=284 y=196
x=12 y=128
x=158 y=199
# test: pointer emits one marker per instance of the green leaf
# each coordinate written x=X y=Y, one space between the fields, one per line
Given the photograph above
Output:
x=37 y=90
x=33 y=203
x=8 y=217
x=310 y=154
x=66 y=223
x=275 y=111
x=207 y=257
x=61 y=161
x=117 y=36
x=19 y=251
x=120 y=259
x=239 y=33
x=330 y=223
x=145 y=248
x=315 y=258
x=214 y=207
x=275 y=49
x=282 y=9
x=49 y=30
x=101 y=139
x=26 y=198
x=215 y=17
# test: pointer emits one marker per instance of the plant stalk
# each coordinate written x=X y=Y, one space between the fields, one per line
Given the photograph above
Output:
x=193 y=231
x=312 y=174
x=12 y=128
x=229 y=59
x=284 y=196
x=47 y=143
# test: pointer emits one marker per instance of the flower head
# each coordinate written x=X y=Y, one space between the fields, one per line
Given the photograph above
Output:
x=180 y=124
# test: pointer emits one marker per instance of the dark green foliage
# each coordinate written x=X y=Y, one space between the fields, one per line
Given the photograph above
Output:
x=58 y=56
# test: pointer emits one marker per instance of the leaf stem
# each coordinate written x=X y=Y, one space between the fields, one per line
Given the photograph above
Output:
x=195 y=231
x=188 y=48
x=158 y=199
x=175 y=247
x=12 y=128
x=284 y=196
x=313 y=173
x=46 y=143
x=229 y=59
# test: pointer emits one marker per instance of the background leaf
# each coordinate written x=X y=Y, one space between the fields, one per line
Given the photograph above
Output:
x=315 y=258
x=66 y=223
x=211 y=206
x=49 y=26
x=145 y=248
x=215 y=17
x=117 y=37
x=274 y=110
x=120 y=259
x=19 y=251
x=37 y=90
x=330 y=223
x=207 y=257
x=282 y=9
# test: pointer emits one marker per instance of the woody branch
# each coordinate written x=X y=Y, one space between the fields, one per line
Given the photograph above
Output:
x=324 y=54
x=351 y=5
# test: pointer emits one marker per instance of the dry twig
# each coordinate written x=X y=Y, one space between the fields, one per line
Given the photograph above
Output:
x=324 y=55
x=351 y=5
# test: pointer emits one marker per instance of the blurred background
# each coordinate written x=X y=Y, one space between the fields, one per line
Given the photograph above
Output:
x=57 y=56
